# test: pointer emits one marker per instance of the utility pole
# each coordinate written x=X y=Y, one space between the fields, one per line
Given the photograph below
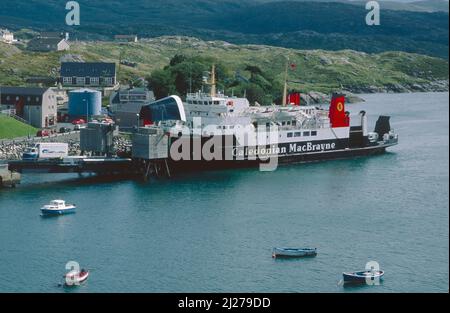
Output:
x=285 y=83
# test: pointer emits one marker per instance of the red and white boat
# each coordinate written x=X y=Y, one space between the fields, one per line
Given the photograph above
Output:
x=75 y=278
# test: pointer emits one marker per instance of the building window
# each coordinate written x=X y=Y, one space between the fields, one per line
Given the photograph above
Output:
x=95 y=81
x=29 y=99
x=38 y=99
x=108 y=80
x=81 y=80
x=67 y=80
x=8 y=98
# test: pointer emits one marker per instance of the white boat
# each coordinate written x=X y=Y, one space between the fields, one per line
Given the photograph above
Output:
x=75 y=278
x=58 y=207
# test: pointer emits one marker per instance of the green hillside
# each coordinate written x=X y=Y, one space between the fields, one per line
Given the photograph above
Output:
x=10 y=128
x=292 y=24
x=317 y=70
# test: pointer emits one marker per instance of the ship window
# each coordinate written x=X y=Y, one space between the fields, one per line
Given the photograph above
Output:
x=288 y=123
x=294 y=123
x=313 y=133
x=306 y=134
x=283 y=124
x=290 y=135
x=216 y=102
x=299 y=134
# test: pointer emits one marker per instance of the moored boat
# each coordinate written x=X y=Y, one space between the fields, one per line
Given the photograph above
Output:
x=363 y=277
x=294 y=252
x=75 y=278
x=58 y=207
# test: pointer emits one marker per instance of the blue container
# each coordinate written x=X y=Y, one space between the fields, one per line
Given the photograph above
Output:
x=85 y=102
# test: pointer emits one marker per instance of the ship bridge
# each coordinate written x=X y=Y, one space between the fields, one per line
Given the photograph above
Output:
x=166 y=109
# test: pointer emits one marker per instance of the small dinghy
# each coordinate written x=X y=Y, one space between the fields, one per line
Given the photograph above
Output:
x=58 y=207
x=293 y=253
x=75 y=278
x=362 y=277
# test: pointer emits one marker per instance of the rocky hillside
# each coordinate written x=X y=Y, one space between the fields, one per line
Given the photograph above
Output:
x=292 y=24
x=317 y=70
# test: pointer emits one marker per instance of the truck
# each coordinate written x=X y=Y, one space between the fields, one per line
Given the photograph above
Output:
x=47 y=150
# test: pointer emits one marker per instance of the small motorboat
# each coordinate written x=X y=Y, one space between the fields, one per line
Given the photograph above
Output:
x=76 y=278
x=294 y=253
x=363 y=277
x=58 y=207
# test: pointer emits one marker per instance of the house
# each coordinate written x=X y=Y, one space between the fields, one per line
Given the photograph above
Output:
x=126 y=104
x=6 y=36
x=47 y=42
x=88 y=74
x=37 y=106
x=126 y=38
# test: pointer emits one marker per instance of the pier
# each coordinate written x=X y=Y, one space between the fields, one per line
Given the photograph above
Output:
x=8 y=178
x=97 y=165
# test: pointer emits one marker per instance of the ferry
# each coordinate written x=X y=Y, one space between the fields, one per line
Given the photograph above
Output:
x=58 y=207
x=211 y=130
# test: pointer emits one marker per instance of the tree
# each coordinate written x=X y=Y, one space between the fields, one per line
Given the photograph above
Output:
x=161 y=83
x=177 y=59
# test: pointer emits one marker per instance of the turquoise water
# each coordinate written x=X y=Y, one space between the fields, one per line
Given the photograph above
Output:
x=214 y=232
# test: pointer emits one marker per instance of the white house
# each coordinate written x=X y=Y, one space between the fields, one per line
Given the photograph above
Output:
x=6 y=36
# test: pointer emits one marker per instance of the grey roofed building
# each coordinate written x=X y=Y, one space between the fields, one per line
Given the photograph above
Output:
x=125 y=104
x=48 y=44
x=59 y=35
x=88 y=69
x=29 y=91
x=37 y=106
x=88 y=74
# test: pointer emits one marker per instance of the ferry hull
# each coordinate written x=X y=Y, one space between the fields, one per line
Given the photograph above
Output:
x=192 y=165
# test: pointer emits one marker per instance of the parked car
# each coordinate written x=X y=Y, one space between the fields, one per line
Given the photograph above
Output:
x=64 y=130
x=78 y=121
x=43 y=133
x=79 y=127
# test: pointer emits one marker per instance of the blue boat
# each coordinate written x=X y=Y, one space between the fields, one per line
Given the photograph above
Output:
x=363 y=277
x=294 y=252
x=58 y=207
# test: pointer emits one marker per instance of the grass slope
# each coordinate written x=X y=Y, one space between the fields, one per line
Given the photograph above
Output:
x=316 y=69
x=10 y=128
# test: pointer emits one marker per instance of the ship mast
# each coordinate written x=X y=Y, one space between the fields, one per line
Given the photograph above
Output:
x=213 y=81
x=285 y=84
